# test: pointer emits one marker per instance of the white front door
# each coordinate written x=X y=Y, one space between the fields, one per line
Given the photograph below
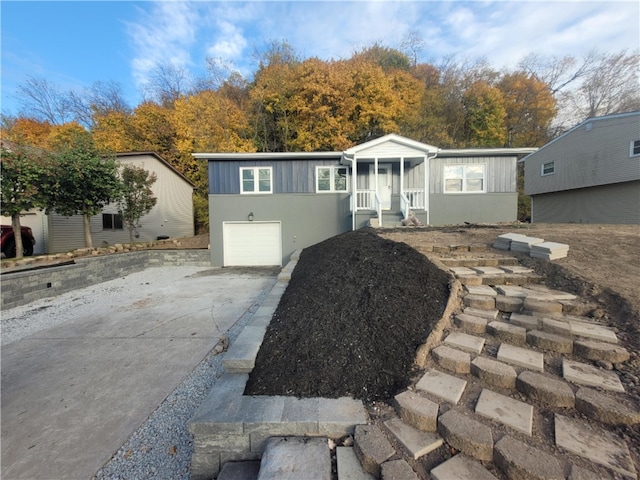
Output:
x=384 y=185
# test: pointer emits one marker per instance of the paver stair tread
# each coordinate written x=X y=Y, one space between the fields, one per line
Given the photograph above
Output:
x=519 y=460
x=349 y=467
x=606 y=408
x=293 y=458
x=506 y=410
x=467 y=435
x=416 y=442
x=543 y=389
x=588 y=375
x=461 y=467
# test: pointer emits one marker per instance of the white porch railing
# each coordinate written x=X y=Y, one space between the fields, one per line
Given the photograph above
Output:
x=405 y=206
x=415 y=198
x=366 y=200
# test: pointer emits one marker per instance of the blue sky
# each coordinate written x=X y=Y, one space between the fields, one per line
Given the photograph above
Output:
x=74 y=44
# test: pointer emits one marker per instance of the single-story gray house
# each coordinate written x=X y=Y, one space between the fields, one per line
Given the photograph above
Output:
x=590 y=174
x=172 y=216
x=264 y=206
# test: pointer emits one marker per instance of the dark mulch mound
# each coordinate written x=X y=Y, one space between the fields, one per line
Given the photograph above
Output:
x=355 y=311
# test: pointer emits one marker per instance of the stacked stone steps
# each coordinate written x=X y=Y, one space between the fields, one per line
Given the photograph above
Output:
x=521 y=356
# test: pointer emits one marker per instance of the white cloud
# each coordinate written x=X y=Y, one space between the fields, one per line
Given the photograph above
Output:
x=165 y=33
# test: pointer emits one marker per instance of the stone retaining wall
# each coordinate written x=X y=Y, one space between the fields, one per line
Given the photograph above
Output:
x=19 y=288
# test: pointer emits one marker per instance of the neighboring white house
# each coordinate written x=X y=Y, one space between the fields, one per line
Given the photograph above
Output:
x=590 y=174
x=171 y=217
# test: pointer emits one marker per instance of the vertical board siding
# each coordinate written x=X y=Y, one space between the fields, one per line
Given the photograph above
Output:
x=289 y=176
x=593 y=153
x=607 y=204
x=501 y=172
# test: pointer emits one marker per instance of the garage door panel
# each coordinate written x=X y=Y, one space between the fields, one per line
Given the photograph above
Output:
x=252 y=243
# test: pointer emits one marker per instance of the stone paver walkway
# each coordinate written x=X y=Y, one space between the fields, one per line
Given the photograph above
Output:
x=504 y=393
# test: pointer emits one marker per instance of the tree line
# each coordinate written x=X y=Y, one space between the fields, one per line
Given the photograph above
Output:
x=72 y=177
x=308 y=104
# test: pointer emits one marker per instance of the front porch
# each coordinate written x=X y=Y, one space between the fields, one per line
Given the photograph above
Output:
x=389 y=180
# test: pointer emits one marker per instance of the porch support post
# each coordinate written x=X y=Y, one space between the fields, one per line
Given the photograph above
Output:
x=401 y=176
x=354 y=191
x=426 y=186
x=375 y=188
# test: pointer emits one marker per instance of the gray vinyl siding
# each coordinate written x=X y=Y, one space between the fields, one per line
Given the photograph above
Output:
x=607 y=204
x=473 y=208
x=595 y=152
x=289 y=176
x=306 y=219
x=172 y=215
x=501 y=173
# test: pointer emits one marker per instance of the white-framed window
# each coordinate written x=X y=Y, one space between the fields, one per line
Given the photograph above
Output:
x=256 y=180
x=634 y=148
x=469 y=178
x=548 y=168
x=332 y=178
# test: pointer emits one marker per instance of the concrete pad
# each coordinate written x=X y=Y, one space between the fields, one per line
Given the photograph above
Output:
x=372 y=448
x=416 y=442
x=594 y=443
x=521 y=357
x=591 y=376
x=593 y=331
x=481 y=290
x=338 y=416
x=397 y=470
x=451 y=359
x=417 y=411
x=441 y=385
x=463 y=341
x=461 y=467
x=519 y=460
x=467 y=435
x=349 y=467
x=293 y=458
x=95 y=378
x=494 y=373
x=512 y=413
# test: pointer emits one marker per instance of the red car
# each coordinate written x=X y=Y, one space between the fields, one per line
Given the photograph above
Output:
x=8 y=243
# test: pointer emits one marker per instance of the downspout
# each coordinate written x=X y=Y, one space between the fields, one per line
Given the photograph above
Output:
x=375 y=184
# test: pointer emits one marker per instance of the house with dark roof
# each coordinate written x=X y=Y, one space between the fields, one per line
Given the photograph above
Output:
x=265 y=206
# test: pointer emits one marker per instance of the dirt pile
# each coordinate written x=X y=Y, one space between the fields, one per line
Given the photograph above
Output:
x=356 y=309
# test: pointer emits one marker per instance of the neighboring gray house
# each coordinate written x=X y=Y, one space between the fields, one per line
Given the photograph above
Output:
x=172 y=216
x=590 y=174
x=264 y=206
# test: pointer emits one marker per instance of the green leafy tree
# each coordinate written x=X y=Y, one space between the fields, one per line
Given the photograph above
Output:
x=136 y=196
x=22 y=187
x=84 y=181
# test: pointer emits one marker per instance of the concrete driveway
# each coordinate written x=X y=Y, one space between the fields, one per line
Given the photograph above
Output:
x=74 y=392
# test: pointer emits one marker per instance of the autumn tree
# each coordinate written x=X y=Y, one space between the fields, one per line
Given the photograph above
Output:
x=84 y=180
x=530 y=108
x=136 y=197
x=22 y=187
x=484 y=116
x=26 y=131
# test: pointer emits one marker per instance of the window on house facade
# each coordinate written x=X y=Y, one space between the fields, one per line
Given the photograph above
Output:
x=256 y=180
x=112 y=221
x=548 y=168
x=331 y=179
x=465 y=178
x=634 y=150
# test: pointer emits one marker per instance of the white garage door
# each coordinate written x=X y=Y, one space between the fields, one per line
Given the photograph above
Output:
x=252 y=243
